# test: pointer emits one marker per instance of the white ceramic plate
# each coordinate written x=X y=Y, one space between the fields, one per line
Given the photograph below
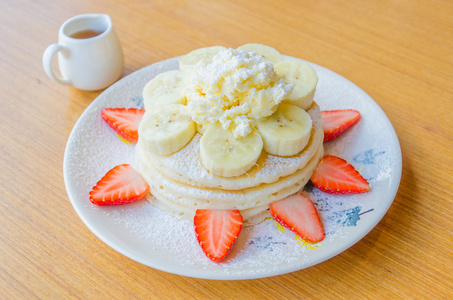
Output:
x=143 y=233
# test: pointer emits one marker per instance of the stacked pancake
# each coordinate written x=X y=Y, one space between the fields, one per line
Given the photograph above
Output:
x=193 y=159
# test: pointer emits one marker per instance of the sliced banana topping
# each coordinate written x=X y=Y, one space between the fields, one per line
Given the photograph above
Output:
x=266 y=53
x=227 y=156
x=192 y=58
x=167 y=130
x=276 y=117
x=304 y=78
x=164 y=89
x=287 y=131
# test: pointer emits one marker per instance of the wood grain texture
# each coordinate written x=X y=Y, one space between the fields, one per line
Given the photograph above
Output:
x=399 y=52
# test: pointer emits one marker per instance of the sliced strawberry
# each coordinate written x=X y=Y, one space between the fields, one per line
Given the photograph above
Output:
x=120 y=185
x=334 y=175
x=335 y=122
x=298 y=213
x=124 y=121
x=216 y=231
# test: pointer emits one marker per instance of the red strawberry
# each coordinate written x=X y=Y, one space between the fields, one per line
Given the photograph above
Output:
x=124 y=121
x=298 y=213
x=217 y=230
x=120 y=185
x=334 y=175
x=334 y=122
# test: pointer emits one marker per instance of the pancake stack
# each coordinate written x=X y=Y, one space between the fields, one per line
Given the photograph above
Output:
x=181 y=183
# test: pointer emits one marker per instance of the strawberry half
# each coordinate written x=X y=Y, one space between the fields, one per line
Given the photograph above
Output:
x=298 y=213
x=216 y=231
x=120 y=185
x=124 y=121
x=335 y=122
x=334 y=175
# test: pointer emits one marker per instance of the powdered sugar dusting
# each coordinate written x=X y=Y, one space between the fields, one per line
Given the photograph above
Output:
x=177 y=237
x=160 y=240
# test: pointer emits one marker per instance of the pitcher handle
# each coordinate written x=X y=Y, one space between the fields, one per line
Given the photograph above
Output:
x=47 y=63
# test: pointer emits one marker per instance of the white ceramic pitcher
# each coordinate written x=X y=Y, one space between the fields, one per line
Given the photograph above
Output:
x=90 y=63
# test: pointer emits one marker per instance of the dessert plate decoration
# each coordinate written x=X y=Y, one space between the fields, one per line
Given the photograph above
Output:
x=163 y=241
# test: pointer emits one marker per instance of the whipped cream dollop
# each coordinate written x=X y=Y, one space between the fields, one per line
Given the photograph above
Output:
x=236 y=89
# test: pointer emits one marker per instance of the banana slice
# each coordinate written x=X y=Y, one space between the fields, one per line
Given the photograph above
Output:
x=267 y=53
x=287 y=131
x=167 y=130
x=304 y=78
x=164 y=89
x=192 y=58
x=224 y=155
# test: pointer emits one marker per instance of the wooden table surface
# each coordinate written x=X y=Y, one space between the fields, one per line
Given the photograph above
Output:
x=399 y=52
